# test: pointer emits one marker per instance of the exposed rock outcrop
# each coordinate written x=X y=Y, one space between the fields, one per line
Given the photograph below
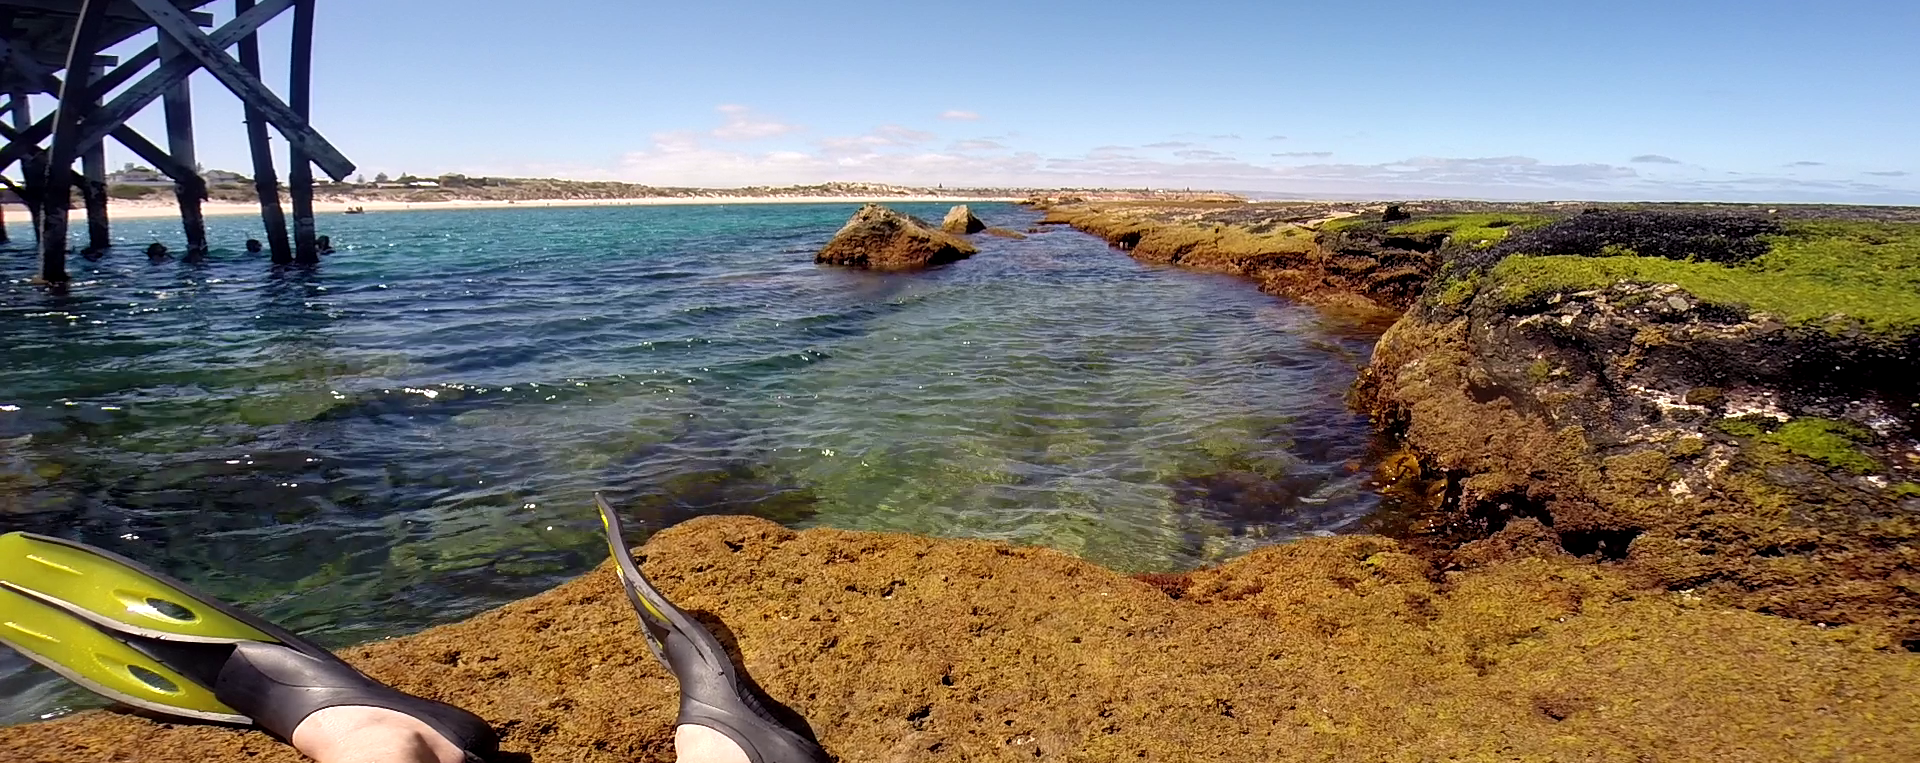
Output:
x=1006 y=233
x=879 y=238
x=1714 y=399
x=960 y=220
x=908 y=648
x=1708 y=449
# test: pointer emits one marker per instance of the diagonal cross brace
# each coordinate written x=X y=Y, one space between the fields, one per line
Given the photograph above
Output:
x=173 y=70
x=171 y=21
x=26 y=142
x=106 y=119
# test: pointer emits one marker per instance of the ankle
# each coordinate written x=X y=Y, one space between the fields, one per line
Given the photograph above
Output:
x=699 y=744
x=354 y=734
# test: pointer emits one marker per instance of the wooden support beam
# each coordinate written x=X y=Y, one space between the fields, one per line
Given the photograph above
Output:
x=172 y=69
x=93 y=166
x=178 y=103
x=119 y=9
x=265 y=183
x=22 y=120
x=300 y=171
x=161 y=160
x=75 y=98
x=245 y=83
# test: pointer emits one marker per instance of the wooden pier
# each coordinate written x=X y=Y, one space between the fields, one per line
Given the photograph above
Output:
x=53 y=47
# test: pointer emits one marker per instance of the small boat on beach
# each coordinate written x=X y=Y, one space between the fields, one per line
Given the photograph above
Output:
x=356 y=210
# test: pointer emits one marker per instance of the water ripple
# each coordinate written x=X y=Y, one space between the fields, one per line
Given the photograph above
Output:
x=411 y=433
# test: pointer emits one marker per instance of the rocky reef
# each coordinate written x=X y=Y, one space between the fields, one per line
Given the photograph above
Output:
x=904 y=648
x=1714 y=399
x=1655 y=498
x=961 y=220
x=879 y=238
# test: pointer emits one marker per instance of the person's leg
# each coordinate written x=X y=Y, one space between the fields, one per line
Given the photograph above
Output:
x=353 y=734
x=699 y=744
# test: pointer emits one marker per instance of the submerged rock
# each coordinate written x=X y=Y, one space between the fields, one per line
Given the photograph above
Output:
x=899 y=647
x=1006 y=233
x=883 y=239
x=960 y=219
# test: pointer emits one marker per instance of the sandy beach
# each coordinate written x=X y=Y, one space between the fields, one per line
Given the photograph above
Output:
x=137 y=210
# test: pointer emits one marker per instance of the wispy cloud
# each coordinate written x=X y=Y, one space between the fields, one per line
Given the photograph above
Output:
x=1806 y=164
x=1169 y=144
x=1202 y=155
x=1653 y=159
x=898 y=154
x=1276 y=137
x=958 y=115
x=1228 y=136
x=881 y=137
x=743 y=124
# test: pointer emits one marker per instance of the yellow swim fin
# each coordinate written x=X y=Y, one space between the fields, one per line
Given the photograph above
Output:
x=146 y=640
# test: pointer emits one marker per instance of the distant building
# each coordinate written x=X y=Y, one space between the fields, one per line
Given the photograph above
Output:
x=132 y=175
x=217 y=177
x=423 y=184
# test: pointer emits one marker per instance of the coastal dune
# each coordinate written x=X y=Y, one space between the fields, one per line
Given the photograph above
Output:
x=900 y=648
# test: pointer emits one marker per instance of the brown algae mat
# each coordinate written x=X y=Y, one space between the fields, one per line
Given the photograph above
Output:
x=905 y=648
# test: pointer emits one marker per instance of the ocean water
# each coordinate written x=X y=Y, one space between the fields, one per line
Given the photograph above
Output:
x=411 y=433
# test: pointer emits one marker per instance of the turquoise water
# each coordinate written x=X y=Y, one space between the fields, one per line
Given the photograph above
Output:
x=411 y=433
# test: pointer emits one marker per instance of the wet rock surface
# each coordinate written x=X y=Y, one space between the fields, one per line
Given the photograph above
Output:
x=906 y=648
x=1654 y=388
x=879 y=238
x=960 y=220
x=1645 y=429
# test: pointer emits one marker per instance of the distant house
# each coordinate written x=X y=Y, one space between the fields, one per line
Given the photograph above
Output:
x=423 y=184
x=218 y=177
x=132 y=175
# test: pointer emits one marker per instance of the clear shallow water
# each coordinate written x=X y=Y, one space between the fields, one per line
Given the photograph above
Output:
x=412 y=433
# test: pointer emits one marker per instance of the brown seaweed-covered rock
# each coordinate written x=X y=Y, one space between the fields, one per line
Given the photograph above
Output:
x=904 y=648
x=883 y=239
x=960 y=220
x=1703 y=449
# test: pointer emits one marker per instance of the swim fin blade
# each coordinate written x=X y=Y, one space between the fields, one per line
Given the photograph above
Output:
x=56 y=596
x=149 y=641
x=712 y=692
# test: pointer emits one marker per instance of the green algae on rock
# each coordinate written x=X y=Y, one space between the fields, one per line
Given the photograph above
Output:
x=1716 y=397
x=879 y=238
x=898 y=647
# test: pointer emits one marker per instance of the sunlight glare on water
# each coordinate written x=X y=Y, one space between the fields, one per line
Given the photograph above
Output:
x=411 y=433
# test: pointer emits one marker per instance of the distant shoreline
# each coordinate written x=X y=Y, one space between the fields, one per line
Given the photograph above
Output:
x=138 y=211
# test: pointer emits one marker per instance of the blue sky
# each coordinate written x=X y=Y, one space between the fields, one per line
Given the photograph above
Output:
x=1689 y=99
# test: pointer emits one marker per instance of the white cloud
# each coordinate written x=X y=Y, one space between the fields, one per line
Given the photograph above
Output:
x=977 y=144
x=883 y=136
x=1653 y=159
x=1201 y=154
x=743 y=124
x=959 y=115
x=907 y=156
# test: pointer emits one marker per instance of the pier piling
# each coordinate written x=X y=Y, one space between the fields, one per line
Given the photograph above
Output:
x=300 y=174
x=52 y=46
x=93 y=166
